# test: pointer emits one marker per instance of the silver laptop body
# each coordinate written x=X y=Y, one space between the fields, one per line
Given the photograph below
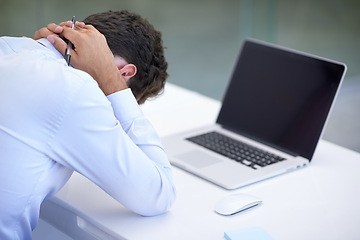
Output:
x=278 y=101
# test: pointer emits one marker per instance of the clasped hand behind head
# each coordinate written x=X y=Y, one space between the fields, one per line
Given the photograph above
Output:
x=90 y=52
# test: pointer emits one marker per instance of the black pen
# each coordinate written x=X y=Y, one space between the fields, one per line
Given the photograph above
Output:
x=68 y=50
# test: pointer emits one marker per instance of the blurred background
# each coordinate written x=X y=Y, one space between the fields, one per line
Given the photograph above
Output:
x=203 y=37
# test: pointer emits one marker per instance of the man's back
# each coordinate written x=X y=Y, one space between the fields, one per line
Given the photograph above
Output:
x=35 y=90
x=55 y=119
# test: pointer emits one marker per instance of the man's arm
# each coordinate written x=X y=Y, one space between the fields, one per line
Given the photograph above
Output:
x=113 y=145
x=117 y=148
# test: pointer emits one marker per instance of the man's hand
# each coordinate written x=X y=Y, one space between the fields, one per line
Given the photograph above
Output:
x=90 y=53
x=52 y=29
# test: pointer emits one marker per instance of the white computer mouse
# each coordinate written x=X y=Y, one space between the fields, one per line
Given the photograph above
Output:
x=236 y=203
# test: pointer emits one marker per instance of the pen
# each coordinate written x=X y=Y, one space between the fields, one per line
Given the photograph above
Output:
x=68 y=50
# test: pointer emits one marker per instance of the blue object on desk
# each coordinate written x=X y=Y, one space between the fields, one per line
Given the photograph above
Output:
x=255 y=233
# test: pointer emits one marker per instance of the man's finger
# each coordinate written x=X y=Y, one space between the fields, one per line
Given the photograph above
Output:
x=41 y=33
x=47 y=31
x=71 y=34
x=58 y=43
x=55 y=28
x=79 y=24
x=89 y=27
x=69 y=24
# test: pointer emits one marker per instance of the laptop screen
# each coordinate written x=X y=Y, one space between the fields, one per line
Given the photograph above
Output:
x=280 y=97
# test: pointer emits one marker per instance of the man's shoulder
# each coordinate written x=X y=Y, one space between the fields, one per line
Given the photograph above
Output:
x=18 y=43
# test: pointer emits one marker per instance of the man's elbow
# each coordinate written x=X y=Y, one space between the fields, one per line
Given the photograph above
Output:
x=160 y=205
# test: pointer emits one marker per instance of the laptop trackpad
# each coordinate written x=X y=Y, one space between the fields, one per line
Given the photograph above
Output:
x=198 y=158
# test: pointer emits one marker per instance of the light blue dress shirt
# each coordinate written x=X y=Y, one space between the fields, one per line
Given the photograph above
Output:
x=54 y=120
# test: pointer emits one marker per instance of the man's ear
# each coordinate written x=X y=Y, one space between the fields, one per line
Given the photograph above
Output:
x=127 y=71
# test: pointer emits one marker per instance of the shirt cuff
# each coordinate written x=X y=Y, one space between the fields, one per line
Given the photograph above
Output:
x=124 y=105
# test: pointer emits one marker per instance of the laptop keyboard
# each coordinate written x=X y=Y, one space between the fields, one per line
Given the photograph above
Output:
x=234 y=149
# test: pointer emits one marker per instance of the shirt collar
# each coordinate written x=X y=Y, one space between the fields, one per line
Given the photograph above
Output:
x=48 y=45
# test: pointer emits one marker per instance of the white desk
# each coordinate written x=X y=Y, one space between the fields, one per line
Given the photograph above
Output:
x=321 y=201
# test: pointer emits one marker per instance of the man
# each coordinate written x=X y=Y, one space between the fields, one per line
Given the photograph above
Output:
x=55 y=119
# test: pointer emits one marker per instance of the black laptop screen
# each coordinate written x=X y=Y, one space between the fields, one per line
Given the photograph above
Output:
x=280 y=97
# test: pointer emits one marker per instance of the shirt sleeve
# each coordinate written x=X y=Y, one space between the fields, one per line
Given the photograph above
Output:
x=109 y=141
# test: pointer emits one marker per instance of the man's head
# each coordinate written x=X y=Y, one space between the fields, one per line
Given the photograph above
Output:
x=134 y=39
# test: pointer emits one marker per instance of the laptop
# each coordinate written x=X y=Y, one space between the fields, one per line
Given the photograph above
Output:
x=271 y=119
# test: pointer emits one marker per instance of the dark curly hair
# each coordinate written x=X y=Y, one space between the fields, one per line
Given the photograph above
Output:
x=133 y=38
